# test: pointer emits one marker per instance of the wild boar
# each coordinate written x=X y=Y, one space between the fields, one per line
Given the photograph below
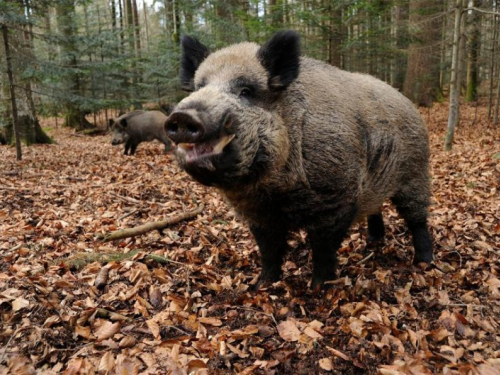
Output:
x=139 y=126
x=293 y=142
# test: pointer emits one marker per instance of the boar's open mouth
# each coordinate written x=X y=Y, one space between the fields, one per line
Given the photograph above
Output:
x=195 y=151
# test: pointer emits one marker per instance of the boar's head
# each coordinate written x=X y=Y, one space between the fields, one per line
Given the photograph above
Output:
x=230 y=131
x=120 y=134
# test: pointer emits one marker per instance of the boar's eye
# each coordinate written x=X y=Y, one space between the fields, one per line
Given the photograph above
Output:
x=246 y=92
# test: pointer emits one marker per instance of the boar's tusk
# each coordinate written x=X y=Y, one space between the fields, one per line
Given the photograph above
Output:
x=223 y=143
x=186 y=146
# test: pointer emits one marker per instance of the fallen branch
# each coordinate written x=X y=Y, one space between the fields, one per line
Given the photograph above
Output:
x=148 y=227
x=79 y=260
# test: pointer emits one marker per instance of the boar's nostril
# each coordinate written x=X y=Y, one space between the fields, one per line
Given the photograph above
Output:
x=192 y=129
x=172 y=127
x=182 y=127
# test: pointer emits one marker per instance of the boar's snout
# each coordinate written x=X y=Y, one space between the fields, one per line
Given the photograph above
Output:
x=183 y=127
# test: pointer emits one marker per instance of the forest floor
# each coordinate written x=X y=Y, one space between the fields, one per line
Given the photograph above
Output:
x=72 y=304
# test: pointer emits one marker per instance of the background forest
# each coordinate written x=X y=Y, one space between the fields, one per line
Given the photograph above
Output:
x=75 y=58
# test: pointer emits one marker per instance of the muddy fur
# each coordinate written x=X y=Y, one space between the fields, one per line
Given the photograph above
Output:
x=315 y=147
x=139 y=126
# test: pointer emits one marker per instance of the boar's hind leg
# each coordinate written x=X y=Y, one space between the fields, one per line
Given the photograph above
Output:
x=325 y=242
x=376 y=228
x=272 y=245
x=414 y=211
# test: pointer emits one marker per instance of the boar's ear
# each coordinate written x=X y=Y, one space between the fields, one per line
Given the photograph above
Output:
x=280 y=55
x=193 y=54
x=111 y=122
x=123 y=123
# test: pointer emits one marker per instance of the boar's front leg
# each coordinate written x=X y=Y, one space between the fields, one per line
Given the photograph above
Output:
x=325 y=241
x=271 y=240
x=133 y=147
x=127 y=146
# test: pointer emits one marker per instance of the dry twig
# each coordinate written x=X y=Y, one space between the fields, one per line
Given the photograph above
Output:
x=148 y=227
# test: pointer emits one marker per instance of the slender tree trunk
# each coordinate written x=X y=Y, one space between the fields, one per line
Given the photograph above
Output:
x=462 y=54
x=22 y=123
x=112 y=9
x=335 y=34
x=422 y=75
x=129 y=17
x=496 y=115
x=454 y=84
x=145 y=10
x=493 y=62
x=176 y=38
x=401 y=39
x=474 y=46
x=5 y=35
x=442 y=61
x=136 y=28
x=122 y=26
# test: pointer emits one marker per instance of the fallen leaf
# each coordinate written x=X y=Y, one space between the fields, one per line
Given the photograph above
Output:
x=107 y=330
x=288 y=330
x=326 y=364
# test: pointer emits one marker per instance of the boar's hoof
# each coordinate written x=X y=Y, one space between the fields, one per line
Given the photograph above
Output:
x=422 y=242
x=318 y=281
x=376 y=230
x=374 y=239
x=423 y=257
x=268 y=276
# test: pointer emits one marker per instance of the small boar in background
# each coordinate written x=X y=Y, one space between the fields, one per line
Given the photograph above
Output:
x=139 y=126
x=295 y=143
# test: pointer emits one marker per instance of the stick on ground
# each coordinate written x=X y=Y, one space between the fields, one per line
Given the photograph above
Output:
x=148 y=227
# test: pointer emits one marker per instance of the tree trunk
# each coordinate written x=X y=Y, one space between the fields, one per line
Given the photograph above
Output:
x=335 y=35
x=74 y=117
x=454 y=81
x=474 y=46
x=462 y=54
x=5 y=35
x=122 y=26
x=493 y=63
x=401 y=36
x=146 y=24
x=442 y=62
x=22 y=126
x=422 y=75
x=136 y=28
x=176 y=38
x=129 y=18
